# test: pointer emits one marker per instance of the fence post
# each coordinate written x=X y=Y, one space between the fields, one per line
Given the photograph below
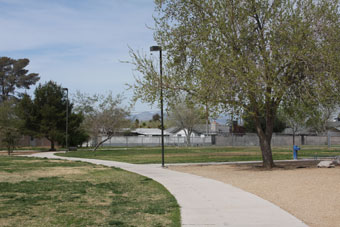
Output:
x=302 y=140
x=213 y=139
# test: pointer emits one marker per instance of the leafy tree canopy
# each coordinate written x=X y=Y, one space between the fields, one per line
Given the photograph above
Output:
x=45 y=115
x=13 y=75
x=246 y=55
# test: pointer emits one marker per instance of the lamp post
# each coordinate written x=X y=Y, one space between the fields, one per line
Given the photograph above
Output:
x=66 y=135
x=158 y=48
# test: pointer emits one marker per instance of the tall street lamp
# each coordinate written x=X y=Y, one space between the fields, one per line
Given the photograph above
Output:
x=158 y=48
x=66 y=135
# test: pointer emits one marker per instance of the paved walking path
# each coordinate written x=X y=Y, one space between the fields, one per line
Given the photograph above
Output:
x=206 y=202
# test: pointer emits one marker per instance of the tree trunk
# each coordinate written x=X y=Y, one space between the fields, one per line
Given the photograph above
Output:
x=266 y=149
x=265 y=138
x=188 y=140
x=188 y=134
x=207 y=120
x=101 y=142
x=52 y=146
x=207 y=127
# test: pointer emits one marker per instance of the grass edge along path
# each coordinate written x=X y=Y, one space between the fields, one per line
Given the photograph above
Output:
x=149 y=155
x=41 y=192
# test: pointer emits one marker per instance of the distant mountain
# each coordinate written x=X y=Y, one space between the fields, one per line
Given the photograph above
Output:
x=144 y=116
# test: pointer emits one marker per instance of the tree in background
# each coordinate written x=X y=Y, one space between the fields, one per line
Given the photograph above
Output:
x=136 y=124
x=13 y=75
x=185 y=116
x=104 y=116
x=10 y=125
x=45 y=115
x=156 y=117
x=319 y=117
x=312 y=115
x=155 y=122
x=295 y=115
x=252 y=55
x=77 y=132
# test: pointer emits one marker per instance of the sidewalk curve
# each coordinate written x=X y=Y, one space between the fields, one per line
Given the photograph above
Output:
x=203 y=201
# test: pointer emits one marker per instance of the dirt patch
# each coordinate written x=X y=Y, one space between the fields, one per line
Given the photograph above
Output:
x=309 y=193
x=213 y=154
x=43 y=172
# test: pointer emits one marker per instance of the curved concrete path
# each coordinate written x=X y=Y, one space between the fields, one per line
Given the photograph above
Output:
x=206 y=202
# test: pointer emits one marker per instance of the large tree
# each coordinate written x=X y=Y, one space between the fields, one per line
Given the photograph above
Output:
x=249 y=55
x=104 y=116
x=13 y=75
x=45 y=115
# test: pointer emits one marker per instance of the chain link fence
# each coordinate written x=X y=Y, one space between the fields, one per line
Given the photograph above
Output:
x=251 y=139
x=133 y=141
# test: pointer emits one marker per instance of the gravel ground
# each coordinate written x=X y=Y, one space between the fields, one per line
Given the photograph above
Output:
x=309 y=193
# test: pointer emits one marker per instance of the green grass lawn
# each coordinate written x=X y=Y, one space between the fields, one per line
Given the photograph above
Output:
x=41 y=192
x=145 y=155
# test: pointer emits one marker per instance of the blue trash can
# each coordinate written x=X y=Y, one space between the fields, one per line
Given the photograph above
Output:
x=295 y=152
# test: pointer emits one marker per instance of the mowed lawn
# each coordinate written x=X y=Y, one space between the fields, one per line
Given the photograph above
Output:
x=41 y=192
x=143 y=155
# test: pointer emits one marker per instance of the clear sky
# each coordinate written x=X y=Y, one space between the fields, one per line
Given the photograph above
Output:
x=78 y=43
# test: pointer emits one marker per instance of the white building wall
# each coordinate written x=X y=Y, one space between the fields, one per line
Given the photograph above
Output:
x=183 y=131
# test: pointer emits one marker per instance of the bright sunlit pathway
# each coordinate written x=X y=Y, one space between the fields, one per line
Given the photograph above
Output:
x=206 y=202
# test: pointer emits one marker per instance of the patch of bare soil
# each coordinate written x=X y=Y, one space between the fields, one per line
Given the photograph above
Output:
x=43 y=172
x=309 y=193
x=214 y=154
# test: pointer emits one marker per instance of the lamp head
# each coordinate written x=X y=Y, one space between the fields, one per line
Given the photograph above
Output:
x=155 y=48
